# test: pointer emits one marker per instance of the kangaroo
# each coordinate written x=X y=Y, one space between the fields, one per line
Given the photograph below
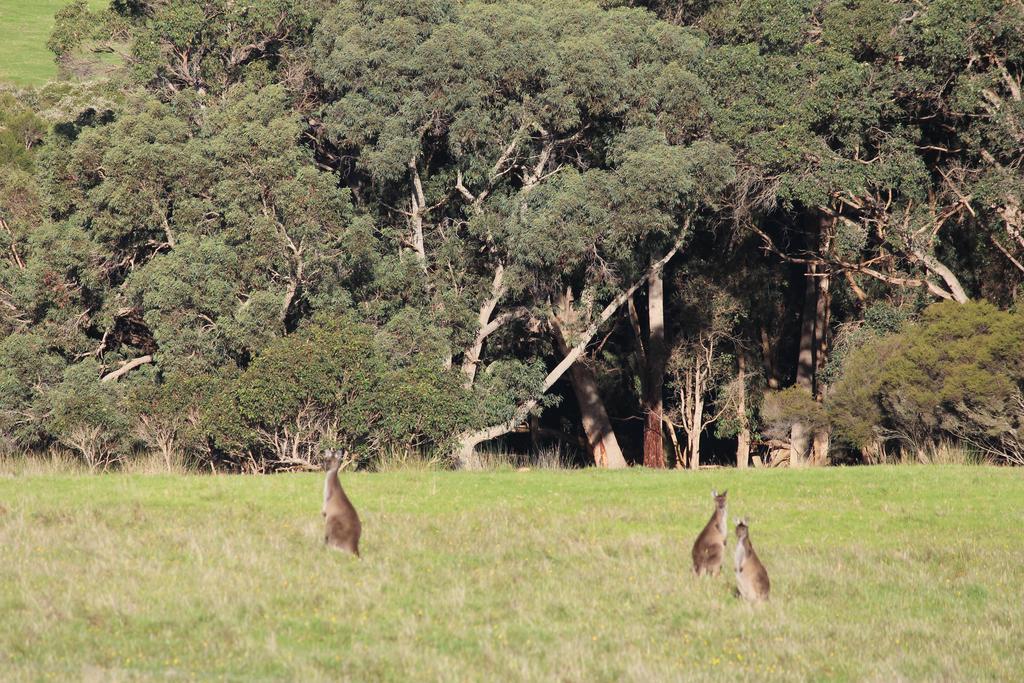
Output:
x=751 y=576
x=342 y=526
x=709 y=548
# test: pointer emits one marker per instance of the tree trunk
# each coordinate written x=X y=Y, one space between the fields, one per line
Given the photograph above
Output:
x=768 y=356
x=800 y=435
x=654 y=449
x=601 y=441
x=933 y=265
x=677 y=452
x=126 y=367
x=743 y=436
x=693 y=437
x=820 y=445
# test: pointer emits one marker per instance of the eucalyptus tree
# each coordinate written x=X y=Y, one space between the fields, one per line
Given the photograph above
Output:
x=173 y=46
x=489 y=188
x=834 y=171
x=206 y=232
x=962 y=68
x=487 y=132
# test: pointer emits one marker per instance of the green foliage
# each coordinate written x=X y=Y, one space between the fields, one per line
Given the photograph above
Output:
x=28 y=368
x=20 y=130
x=168 y=414
x=86 y=415
x=880 y=319
x=74 y=24
x=442 y=171
x=504 y=385
x=334 y=384
x=957 y=374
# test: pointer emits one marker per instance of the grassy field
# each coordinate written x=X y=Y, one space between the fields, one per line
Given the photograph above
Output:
x=884 y=573
x=24 y=29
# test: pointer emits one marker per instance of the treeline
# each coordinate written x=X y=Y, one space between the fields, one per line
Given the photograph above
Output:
x=664 y=233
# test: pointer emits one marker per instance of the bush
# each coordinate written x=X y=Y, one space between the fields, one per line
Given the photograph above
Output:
x=168 y=416
x=957 y=374
x=334 y=384
x=780 y=410
x=86 y=416
x=27 y=369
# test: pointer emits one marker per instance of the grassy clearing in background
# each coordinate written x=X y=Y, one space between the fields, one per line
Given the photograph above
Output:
x=882 y=573
x=25 y=27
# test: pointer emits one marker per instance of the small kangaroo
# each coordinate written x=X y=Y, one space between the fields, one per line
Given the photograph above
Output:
x=709 y=548
x=751 y=576
x=342 y=526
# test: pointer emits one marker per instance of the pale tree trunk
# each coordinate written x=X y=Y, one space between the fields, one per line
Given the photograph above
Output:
x=601 y=442
x=692 y=391
x=654 y=447
x=126 y=367
x=488 y=324
x=935 y=266
x=799 y=436
x=693 y=436
x=677 y=452
x=417 y=210
x=468 y=441
x=743 y=437
x=293 y=286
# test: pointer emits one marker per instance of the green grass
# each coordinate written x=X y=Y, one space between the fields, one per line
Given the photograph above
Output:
x=883 y=573
x=24 y=29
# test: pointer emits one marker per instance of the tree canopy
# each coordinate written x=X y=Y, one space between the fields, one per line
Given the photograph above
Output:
x=423 y=225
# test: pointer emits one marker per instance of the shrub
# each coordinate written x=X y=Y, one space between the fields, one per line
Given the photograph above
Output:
x=86 y=416
x=28 y=369
x=780 y=410
x=334 y=383
x=957 y=374
x=168 y=416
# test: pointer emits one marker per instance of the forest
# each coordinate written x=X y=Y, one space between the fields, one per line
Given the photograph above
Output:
x=674 y=233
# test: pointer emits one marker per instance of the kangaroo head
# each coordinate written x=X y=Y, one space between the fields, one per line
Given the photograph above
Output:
x=741 y=528
x=719 y=499
x=331 y=457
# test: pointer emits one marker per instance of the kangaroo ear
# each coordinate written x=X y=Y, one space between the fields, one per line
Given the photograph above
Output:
x=724 y=492
x=714 y=493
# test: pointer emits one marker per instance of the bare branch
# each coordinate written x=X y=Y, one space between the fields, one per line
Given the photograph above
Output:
x=1007 y=254
x=126 y=367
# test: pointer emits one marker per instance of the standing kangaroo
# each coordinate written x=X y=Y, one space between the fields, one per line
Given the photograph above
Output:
x=342 y=526
x=751 y=576
x=709 y=548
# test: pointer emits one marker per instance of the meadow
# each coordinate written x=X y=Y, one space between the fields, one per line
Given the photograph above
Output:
x=882 y=573
x=25 y=26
